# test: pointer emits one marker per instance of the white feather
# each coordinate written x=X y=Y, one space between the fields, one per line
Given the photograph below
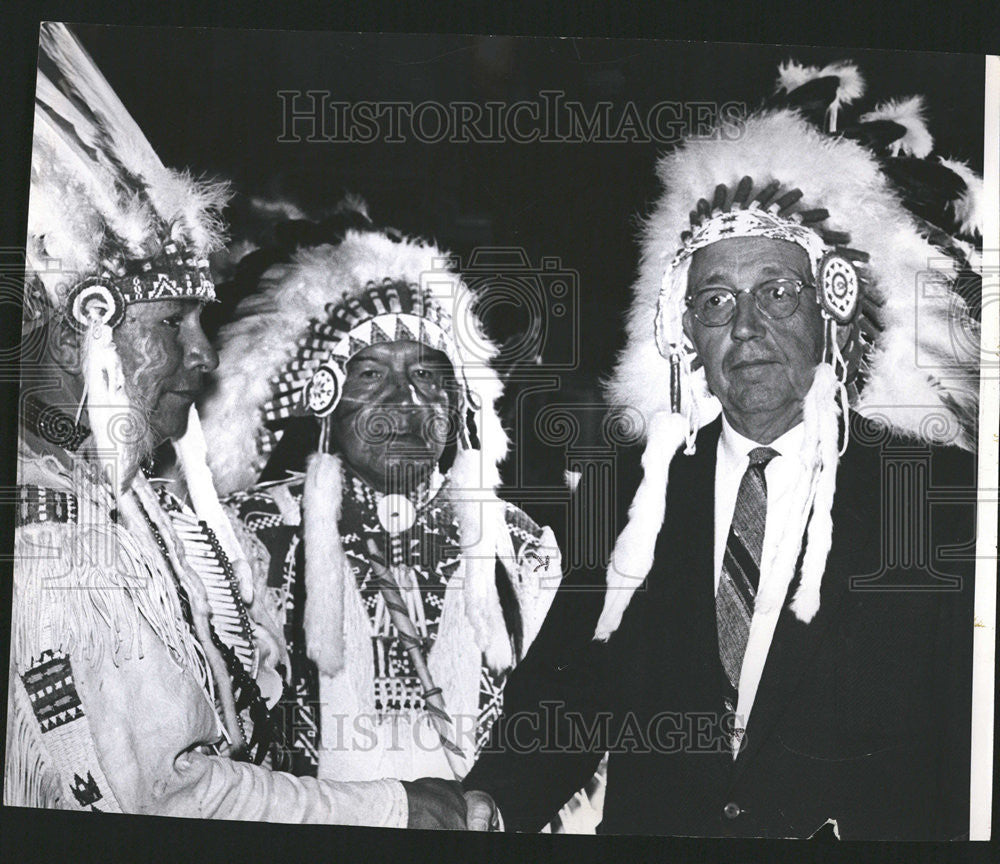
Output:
x=111 y=417
x=909 y=113
x=279 y=209
x=480 y=519
x=326 y=564
x=970 y=207
x=192 y=453
x=851 y=86
x=792 y=75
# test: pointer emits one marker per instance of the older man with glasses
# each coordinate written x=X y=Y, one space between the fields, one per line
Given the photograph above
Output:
x=785 y=642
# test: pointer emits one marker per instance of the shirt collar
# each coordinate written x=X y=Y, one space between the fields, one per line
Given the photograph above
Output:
x=737 y=447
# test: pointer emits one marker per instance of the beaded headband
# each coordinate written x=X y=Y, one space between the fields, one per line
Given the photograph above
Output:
x=173 y=273
x=752 y=222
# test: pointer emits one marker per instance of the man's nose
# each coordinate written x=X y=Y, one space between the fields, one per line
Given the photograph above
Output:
x=747 y=321
x=200 y=354
x=403 y=392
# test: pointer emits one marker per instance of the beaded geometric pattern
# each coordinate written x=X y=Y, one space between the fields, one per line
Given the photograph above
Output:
x=52 y=691
x=37 y=504
x=390 y=312
x=172 y=273
x=430 y=549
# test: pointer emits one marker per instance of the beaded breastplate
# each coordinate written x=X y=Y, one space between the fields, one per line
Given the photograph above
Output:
x=209 y=561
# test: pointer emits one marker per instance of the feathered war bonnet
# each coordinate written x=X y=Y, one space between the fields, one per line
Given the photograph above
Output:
x=285 y=354
x=888 y=233
x=109 y=226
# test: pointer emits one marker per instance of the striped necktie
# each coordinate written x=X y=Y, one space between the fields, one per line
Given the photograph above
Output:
x=740 y=576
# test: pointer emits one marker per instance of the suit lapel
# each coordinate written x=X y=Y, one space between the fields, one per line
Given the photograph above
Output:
x=794 y=642
x=792 y=648
x=684 y=602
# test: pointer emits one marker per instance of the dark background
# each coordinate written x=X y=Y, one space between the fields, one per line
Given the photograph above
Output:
x=577 y=202
x=208 y=99
x=180 y=101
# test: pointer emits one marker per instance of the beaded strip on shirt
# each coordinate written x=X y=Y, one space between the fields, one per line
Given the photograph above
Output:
x=35 y=504
x=50 y=687
x=246 y=693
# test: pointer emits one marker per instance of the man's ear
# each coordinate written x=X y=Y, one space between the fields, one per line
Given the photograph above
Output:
x=65 y=345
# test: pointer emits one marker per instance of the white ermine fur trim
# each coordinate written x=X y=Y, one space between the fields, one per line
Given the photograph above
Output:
x=326 y=563
x=192 y=455
x=810 y=518
x=819 y=535
x=480 y=516
x=632 y=557
x=112 y=419
x=909 y=113
x=970 y=207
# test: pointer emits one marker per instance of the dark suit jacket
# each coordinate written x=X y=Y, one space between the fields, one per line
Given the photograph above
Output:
x=862 y=716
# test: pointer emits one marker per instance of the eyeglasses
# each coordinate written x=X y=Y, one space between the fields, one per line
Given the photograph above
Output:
x=715 y=305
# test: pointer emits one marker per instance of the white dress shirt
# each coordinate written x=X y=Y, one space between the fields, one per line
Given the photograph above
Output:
x=781 y=474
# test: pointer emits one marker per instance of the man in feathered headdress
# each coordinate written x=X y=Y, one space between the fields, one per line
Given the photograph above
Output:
x=407 y=588
x=785 y=640
x=142 y=666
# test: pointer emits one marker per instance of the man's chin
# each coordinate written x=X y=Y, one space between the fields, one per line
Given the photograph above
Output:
x=405 y=472
x=168 y=426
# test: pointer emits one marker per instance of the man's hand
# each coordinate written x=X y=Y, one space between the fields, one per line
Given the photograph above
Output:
x=481 y=812
x=435 y=803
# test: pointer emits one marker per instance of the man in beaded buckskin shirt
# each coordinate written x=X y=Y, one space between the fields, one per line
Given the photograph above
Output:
x=142 y=664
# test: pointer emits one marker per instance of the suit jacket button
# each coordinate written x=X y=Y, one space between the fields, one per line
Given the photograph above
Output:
x=731 y=810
